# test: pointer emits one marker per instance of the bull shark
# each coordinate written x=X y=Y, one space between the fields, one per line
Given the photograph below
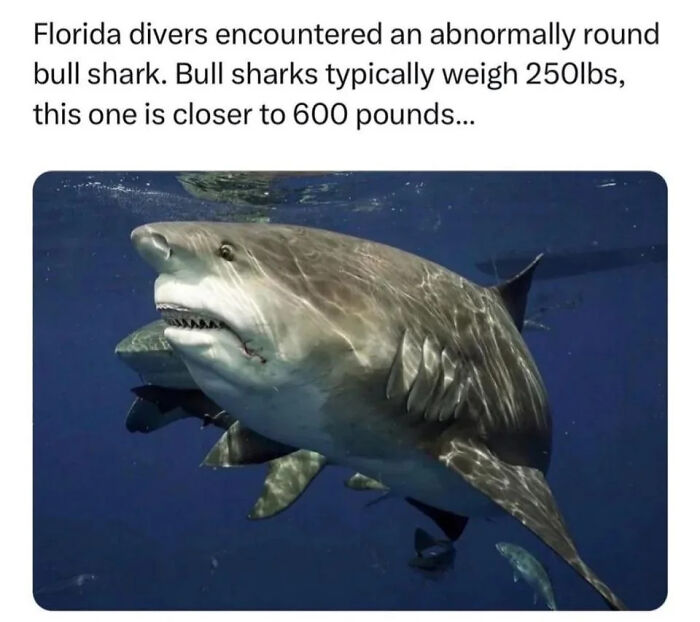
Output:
x=371 y=356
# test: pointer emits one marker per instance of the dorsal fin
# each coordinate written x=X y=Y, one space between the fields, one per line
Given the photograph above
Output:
x=514 y=291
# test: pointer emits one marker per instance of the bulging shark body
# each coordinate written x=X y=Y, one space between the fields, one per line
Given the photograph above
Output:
x=376 y=358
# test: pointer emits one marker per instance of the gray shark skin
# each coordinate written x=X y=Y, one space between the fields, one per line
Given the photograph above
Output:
x=526 y=566
x=287 y=478
x=149 y=354
x=290 y=471
x=380 y=360
x=163 y=401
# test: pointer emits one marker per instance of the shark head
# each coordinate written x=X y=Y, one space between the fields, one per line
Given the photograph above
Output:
x=237 y=302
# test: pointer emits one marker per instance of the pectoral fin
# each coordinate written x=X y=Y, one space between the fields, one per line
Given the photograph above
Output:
x=240 y=445
x=522 y=492
x=286 y=479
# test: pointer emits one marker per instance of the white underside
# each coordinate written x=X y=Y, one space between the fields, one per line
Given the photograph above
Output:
x=294 y=417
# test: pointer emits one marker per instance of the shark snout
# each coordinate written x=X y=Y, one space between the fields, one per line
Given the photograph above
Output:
x=153 y=247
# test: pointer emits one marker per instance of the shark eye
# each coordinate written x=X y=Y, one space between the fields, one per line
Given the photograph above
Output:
x=226 y=252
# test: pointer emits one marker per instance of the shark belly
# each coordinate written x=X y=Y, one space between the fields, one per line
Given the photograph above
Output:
x=307 y=424
x=425 y=479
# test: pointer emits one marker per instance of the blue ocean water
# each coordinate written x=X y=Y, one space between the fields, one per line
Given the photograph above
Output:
x=158 y=532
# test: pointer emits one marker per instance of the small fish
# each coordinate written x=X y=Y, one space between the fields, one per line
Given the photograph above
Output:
x=525 y=566
x=76 y=582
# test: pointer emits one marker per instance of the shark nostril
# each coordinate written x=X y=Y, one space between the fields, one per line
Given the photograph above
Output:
x=152 y=246
x=160 y=242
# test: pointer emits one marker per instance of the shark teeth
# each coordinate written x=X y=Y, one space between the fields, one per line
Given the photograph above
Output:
x=199 y=323
x=183 y=318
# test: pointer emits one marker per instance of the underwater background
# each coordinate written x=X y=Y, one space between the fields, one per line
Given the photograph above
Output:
x=146 y=528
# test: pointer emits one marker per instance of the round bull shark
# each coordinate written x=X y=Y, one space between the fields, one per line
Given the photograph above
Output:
x=371 y=356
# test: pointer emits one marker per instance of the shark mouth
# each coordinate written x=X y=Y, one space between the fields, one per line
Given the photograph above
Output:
x=185 y=318
x=181 y=317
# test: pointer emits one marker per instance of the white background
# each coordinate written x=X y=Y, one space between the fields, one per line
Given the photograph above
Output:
x=651 y=124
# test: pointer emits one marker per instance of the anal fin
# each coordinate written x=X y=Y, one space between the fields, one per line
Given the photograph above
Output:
x=524 y=493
